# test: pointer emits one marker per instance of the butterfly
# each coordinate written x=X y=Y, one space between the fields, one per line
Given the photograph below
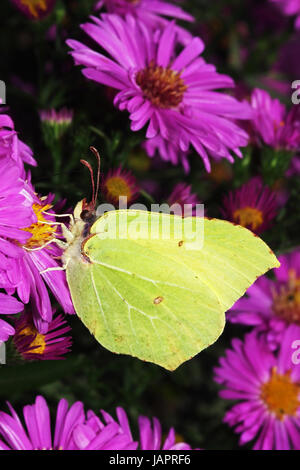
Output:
x=160 y=298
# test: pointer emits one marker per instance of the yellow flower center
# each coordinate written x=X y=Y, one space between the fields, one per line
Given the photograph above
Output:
x=38 y=343
x=116 y=187
x=162 y=86
x=248 y=217
x=281 y=395
x=42 y=231
x=35 y=5
x=286 y=301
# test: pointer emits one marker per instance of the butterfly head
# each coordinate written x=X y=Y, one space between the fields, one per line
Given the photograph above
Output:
x=88 y=213
x=84 y=211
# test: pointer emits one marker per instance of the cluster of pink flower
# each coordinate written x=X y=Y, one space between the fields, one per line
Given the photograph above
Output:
x=260 y=371
x=176 y=97
x=27 y=228
x=173 y=95
x=76 y=430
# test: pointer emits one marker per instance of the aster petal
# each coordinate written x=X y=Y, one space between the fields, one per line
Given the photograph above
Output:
x=293 y=428
x=281 y=436
x=103 y=438
x=167 y=9
x=170 y=440
x=166 y=46
x=66 y=420
x=83 y=435
x=123 y=420
x=14 y=433
x=9 y=305
x=37 y=418
x=188 y=54
x=146 y=437
x=6 y=331
x=56 y=280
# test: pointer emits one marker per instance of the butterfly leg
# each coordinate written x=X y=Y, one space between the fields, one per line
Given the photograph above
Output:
x=71 y=216
x=67 y=233
x=55 y=268
x=60 y=243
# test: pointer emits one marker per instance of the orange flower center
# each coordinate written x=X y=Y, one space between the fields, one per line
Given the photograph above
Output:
x=42 y=231
x=281 y=395
x=248 y=217
x=116 y=187
x=286 y=301
x=162 y=86
x=34 y=6
x=38 y=343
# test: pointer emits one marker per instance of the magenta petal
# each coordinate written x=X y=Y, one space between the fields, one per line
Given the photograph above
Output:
x=6 y=331
x=9 y=305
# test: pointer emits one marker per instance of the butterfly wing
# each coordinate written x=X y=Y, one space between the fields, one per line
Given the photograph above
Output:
x=155 y=297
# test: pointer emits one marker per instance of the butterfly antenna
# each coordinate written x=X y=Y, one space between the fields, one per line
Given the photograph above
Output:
x=87 y=164
x=97 y=155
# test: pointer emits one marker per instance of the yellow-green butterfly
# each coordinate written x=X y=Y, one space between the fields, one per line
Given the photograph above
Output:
x=155 y=297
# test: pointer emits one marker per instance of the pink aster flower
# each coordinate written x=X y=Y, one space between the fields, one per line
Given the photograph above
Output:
x=34 y=9
x=173 y=95
x=36 y=432
x=32 y=345
x=73 y=429
x=167 y=151
x=290 y=8
x=39 y=254
x=11 y=146
x=253 y=205
x=183 y=196
x=150 y=433
x=76 y=430
x=15 y=213
x=267 y=388
x=97 y=434
x=8 y=306
x=151 y=13
x=271 y=305
x=62 y=117
x=273 y=123
x=120 y=183
x=58 y=121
